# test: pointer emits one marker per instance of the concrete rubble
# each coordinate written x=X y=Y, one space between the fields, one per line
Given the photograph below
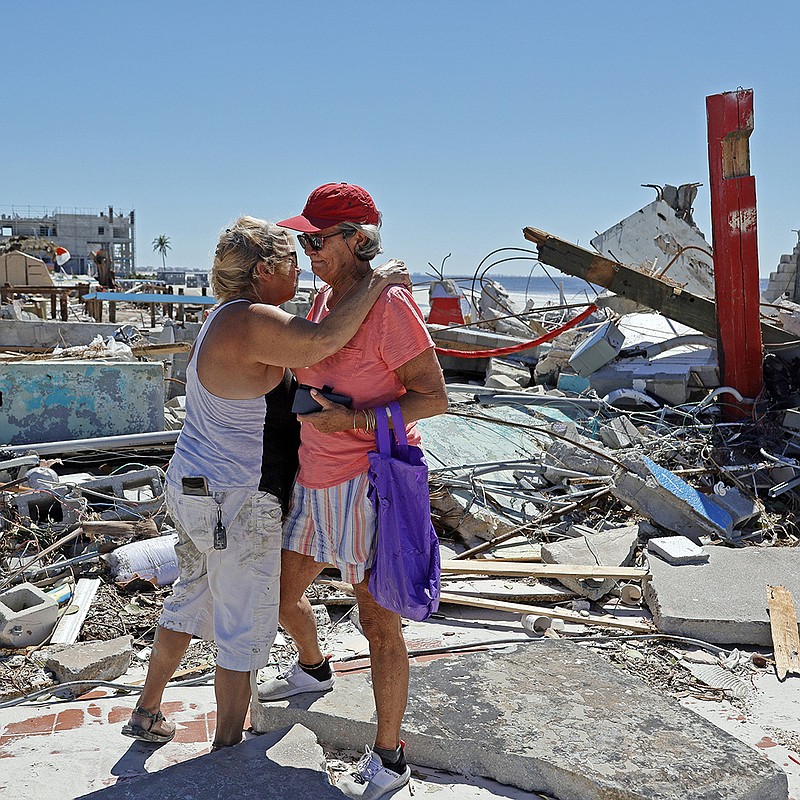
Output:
x=615 y=547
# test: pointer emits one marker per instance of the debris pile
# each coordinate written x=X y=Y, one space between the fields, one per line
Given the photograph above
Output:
x=594 y=496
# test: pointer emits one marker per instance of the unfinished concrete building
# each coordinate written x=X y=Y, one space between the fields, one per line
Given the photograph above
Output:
x=81 y=231
x=783 y=283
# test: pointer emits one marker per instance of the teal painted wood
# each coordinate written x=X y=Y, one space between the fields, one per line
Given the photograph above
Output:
x=143 y=297
x=51 y=401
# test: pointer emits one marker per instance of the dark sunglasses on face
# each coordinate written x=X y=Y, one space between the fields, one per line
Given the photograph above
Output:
x=317 y=242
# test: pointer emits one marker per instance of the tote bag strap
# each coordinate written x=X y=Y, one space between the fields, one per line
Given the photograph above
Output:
x=399 y=424
x=383 y=434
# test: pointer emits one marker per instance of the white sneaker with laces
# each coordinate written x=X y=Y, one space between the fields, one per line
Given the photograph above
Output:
x=371 y=779
x=294 y=681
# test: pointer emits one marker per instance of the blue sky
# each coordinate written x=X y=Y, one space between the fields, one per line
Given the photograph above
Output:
x=465 y=120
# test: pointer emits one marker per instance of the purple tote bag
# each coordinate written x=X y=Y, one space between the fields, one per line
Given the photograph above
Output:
x=405 y=573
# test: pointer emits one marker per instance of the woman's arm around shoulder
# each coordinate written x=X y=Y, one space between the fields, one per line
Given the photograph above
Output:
x=273 y=336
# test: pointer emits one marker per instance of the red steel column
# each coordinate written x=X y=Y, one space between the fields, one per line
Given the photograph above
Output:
x=735 y=235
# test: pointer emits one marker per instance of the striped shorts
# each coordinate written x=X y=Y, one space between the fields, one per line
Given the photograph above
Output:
x=334 y=526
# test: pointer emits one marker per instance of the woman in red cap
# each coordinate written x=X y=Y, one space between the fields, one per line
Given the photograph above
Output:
x=331 y=520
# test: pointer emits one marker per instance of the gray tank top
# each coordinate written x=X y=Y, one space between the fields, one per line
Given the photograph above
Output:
x=221 y=439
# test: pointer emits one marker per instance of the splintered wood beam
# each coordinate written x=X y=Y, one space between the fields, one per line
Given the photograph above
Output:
x=481 y=566
x=544 y=611
x=783 y=624
x=649 y=290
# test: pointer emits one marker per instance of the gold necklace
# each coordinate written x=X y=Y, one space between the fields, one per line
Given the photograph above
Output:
x=344 y=293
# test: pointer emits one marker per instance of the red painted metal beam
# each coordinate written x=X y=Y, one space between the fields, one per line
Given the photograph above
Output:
x=735 y=233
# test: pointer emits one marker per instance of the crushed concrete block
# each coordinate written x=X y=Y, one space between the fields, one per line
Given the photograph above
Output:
x=562 y=454
x=521 y=376
x=724 y=600
x=297 y=747
x=615 y=548
x=27 y=616
x=655 y=492
x=677 y=550
x=741 y=508
x=594 y=732
x=619 y=433
x=501 y=382
x=89 y=661
x=64 y=502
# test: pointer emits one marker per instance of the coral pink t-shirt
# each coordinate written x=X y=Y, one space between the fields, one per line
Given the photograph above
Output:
x=393 y=333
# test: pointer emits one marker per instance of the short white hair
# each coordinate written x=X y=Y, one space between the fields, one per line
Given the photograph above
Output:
x=371 y=248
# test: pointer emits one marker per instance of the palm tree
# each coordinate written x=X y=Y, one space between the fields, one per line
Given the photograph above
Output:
x=161 y=245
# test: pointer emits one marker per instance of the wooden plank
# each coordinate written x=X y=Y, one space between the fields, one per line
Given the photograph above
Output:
x=69 y=626
x=480 y=566
x=554 y=613
x=650 y=290
x=508 y=589
x=785 y=639
x=162 y=349
x=153 y=350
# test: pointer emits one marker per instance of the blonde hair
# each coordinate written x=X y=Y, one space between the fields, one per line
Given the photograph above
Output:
x=239 y=250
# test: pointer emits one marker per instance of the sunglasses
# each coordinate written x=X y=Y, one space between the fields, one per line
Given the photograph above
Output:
x=316 y=243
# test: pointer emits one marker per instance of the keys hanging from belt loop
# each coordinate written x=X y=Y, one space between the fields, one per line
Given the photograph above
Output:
x=220 y=534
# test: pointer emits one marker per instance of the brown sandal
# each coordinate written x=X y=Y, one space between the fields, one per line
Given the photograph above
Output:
x=147 y=734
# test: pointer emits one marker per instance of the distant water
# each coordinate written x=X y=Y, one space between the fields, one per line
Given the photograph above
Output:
x=541 y=289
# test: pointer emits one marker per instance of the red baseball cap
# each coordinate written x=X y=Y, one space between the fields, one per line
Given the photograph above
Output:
x=331 y=204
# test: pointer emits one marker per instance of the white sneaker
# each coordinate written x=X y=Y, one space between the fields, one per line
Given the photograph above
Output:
x=371 y=779
x=294 y=681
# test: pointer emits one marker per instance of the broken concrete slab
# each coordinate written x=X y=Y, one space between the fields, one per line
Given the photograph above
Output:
x=455 y=442
x=677 y=550
x=615 y=547
x=671 y=502
x=89 y=661
x=590 y=732
x=725 y=600
x=285 y=765
x=652 y=490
